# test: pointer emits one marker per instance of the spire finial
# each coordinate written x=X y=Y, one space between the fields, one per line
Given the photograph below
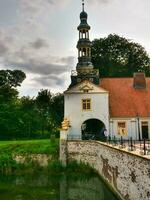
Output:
x=83 y=5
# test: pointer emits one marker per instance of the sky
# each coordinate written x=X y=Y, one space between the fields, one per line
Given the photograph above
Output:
x=39 y=37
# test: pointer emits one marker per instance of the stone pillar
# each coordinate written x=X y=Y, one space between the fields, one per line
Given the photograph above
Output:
x=63 y=147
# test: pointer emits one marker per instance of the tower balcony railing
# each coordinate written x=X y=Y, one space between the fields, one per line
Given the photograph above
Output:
x=92 y=72
x=84 y=59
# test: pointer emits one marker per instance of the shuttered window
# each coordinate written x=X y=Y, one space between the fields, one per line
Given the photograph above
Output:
x=86 y=104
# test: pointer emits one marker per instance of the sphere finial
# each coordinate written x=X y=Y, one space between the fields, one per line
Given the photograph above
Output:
x=83 y=5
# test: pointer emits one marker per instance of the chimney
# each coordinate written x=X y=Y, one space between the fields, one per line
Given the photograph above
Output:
x=139 y=81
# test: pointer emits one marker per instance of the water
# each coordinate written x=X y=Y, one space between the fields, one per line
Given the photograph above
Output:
x=54 y=187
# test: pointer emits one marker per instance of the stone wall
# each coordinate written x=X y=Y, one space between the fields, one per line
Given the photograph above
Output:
x=41 y=159
x=128 y=174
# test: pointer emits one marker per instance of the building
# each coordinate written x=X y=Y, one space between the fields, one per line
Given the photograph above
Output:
x=95 y=106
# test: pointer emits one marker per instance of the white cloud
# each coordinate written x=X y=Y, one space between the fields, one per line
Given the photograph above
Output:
x=100 y=1
x=26 y=46
x=37 y=40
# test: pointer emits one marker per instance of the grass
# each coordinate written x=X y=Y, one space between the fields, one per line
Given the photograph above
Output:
x=8 y=149
x=50 y=147
x=30 y=147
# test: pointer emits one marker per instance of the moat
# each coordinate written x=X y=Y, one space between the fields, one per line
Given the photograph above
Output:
x=54 y=187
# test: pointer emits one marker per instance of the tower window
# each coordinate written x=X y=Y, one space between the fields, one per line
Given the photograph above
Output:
x=84 y=51
x=86 y=104
x=84 y=34
x=80 y=52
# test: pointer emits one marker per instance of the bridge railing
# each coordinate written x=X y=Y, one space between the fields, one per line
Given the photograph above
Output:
x=74 y=137
x=141 y=146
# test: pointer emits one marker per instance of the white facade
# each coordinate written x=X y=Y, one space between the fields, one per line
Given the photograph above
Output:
x=133 y=127
x=73 y=106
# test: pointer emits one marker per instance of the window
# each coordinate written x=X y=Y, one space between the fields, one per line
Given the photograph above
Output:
x=86 y=104
x=85 y=91
x=122 y=129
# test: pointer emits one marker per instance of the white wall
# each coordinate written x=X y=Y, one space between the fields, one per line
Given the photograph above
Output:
x=74 y=112
x=132 y=127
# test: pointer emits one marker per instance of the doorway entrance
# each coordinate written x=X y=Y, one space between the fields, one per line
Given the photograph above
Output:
x=93 y=129
x=145 y=130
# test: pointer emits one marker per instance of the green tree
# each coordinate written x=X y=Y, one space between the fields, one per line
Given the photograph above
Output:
x=10 y=113
x=10 y=121
x=9 y=80
x=43 y=102
x=58 y=108
x=8 y=94
x=57 y=112
x=29 y=116
x=117 y=56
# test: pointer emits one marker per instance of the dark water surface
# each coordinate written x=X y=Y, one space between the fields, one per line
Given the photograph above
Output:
x=54 y=187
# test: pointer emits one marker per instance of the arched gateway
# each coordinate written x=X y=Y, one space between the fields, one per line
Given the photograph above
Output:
x=93 y=129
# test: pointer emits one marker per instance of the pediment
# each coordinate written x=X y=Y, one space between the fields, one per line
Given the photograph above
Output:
x=86 y=87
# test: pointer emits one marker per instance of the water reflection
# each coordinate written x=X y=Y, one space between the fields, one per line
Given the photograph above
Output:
x=52 y=187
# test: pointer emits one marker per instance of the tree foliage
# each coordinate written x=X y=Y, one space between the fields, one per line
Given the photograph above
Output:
x=28 y=117
x=117 y=56
x=43 y=99
x=9 y=80
x=8 y=94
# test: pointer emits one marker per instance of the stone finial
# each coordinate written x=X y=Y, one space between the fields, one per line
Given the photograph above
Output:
x=65 y=124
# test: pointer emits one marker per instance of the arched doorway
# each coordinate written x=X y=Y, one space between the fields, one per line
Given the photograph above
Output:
x=93 y=129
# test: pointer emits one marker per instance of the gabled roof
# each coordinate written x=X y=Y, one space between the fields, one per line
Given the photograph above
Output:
x=125 y=100
x=85 y=85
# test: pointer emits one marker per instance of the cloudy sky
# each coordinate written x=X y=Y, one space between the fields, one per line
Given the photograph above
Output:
x=39 y=36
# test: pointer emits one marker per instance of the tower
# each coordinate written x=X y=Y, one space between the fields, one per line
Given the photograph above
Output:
x=86 y=103
x=84 y=69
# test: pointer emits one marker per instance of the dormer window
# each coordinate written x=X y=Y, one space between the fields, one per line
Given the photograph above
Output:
x=85 y=91
x=86 y=104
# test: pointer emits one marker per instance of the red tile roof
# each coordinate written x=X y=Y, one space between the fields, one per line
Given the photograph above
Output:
x=124 y=99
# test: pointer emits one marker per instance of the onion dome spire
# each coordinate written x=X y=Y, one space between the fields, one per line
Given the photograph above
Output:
x=84 y=68
x=83 y=14
x=84 y=43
